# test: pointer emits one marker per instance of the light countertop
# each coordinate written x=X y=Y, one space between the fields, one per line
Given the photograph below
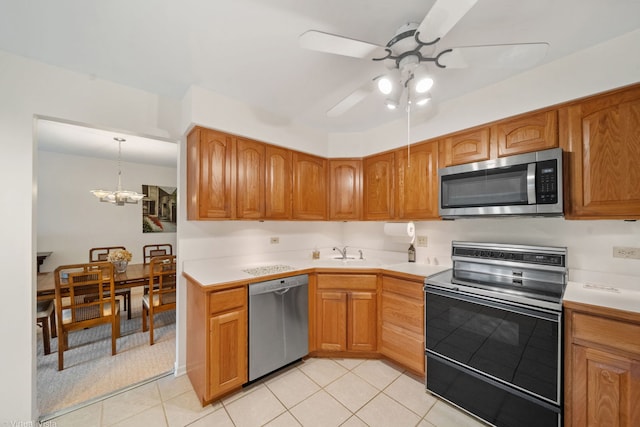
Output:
x=212 y=272
x=605 y=290
x=599 y=289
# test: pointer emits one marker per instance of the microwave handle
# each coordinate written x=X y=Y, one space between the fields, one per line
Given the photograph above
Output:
x=531 y=183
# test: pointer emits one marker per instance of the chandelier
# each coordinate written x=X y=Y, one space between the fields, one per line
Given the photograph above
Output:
x=118 y=197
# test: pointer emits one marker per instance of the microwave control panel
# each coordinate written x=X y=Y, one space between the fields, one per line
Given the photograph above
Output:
x=547 y=182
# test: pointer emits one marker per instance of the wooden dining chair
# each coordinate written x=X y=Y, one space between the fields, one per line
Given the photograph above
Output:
x=102 y=254
x=150 y=251
x=46 y=319
x=162 y=290
x=75 y=312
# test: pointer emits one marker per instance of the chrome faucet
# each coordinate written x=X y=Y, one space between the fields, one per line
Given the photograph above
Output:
x=343 y=252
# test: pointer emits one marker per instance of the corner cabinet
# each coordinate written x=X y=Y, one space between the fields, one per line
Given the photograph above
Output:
x=402 y=322
x=309 y=187
x=346 y=307
x=217 y=354
x=602 y=139
x=209 y=175
x=345 y=189
x=602 y=366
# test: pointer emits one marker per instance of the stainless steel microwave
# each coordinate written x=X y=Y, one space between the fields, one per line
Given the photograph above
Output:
x=525 y=184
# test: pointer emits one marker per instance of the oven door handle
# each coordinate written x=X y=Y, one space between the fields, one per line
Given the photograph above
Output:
x=459 y=295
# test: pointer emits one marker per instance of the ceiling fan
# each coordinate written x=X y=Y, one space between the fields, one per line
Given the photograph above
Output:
x=408 y=54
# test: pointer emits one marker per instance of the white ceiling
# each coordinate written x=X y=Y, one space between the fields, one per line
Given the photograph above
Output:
x=80 y=140
x=248 y=49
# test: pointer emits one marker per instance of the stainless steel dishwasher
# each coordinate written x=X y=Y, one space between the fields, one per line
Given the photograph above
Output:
x=278 y=323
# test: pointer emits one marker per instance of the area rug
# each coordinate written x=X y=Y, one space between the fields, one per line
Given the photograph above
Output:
x=90 y=371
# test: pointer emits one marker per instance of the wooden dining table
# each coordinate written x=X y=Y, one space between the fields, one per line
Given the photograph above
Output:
x=136 y=275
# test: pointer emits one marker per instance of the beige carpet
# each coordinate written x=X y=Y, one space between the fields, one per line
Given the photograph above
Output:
x=89 y=369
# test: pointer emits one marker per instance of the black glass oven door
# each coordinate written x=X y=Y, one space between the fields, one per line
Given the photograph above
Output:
x=518 y=346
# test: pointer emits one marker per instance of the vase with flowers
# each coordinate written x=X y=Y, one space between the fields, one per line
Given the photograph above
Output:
x=120 y=259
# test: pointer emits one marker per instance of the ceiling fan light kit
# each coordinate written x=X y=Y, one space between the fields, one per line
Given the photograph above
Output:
x=119 y=197
x=413 y=46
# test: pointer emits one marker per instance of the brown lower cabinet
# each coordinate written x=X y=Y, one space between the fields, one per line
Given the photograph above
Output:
x=402 y=322
x=346 y=310
x=602 y=366
x=217 y=340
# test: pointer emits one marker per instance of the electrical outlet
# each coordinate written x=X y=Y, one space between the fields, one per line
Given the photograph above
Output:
x=275 y=240
x=626 y=252
x=421 y=241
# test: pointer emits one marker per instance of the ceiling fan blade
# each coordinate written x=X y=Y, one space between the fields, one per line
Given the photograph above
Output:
x=442 y=17
x=339 y=45
x=350 y=100
x=521 y=56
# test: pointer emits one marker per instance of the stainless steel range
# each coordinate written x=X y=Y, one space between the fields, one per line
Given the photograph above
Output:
x=494 y=332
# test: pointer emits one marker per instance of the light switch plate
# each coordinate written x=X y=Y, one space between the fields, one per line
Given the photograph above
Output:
x=275 y=240
x=421 y=241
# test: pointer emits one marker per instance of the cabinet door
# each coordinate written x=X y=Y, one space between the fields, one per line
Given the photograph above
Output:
x=345 y=195
x=402 y=322
x=228 y=352
x=417 y=172
x=309 y=187
x=465 y=147
x=604 y=146
x=379 y=186
x=606 y=389
x=278 y=183
x=332 y=320
x=209 y=172
x=532 y=132
x=361 y=321
x=250 y=183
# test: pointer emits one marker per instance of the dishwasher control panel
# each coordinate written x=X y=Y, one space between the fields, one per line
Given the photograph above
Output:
x=276 y=284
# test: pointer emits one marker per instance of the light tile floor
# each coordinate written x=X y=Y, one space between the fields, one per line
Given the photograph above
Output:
x=316 y=392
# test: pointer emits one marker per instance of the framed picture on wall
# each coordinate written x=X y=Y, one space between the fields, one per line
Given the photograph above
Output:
x=159 y=209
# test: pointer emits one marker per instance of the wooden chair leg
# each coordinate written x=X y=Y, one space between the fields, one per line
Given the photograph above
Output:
x=54 y=329
x=145 y=312
x=61 y=348
x=151 y=326
x=46 y=339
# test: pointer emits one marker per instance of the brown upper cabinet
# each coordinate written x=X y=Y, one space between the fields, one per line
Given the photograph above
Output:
x=379 y=186
x=527 y=133
x=309 y=187
x=465 y=147
x=417 y=177
x=278 y=183
x=603 y=144
x=209 y=175
x=250 y=179
x=345 y=189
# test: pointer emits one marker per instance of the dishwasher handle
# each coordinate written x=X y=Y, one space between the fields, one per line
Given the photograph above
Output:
x=281 y=291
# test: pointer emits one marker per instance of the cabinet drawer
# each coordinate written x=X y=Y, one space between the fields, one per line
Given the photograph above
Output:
x=609 y=332
x=403 y=287
x=347 y=281
x=228 y=299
